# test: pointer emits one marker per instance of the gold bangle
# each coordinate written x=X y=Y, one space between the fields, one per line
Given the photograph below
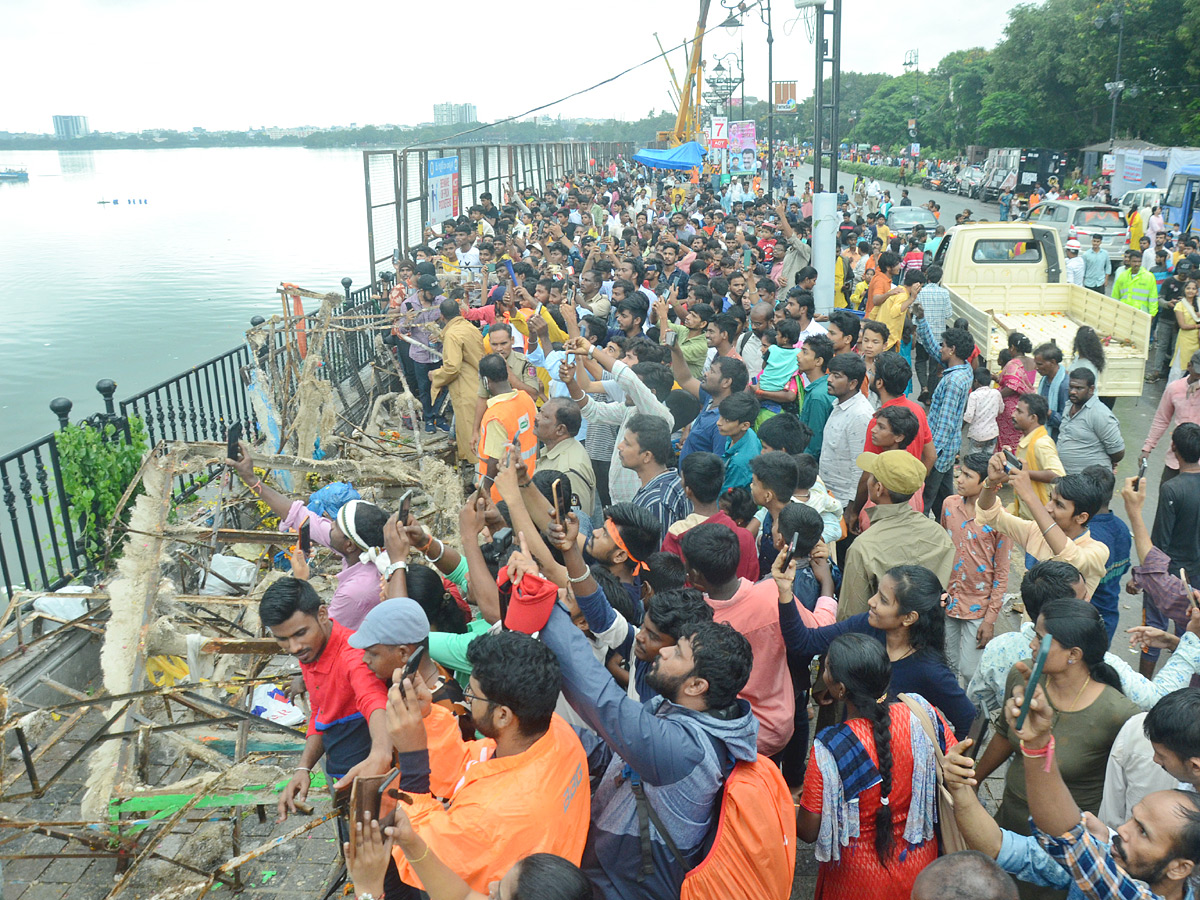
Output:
x=419 y=858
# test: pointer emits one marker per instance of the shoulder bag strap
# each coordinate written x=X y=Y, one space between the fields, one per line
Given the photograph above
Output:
x=927 y=726
x=646 y=812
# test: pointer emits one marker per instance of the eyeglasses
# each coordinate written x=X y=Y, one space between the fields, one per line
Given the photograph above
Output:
x=471 y=698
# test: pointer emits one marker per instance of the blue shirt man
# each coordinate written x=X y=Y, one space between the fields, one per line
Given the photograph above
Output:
x=737 y=456
x=1095 y=267
x=1054 y=388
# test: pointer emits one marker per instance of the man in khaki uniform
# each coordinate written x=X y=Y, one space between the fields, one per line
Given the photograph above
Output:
x=462 y=349
x=522 y=370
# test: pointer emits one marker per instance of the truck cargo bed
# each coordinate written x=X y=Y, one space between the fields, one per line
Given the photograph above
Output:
x=1124 y=330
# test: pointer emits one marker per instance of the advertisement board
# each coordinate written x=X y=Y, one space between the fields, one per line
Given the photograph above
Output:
x=443 y=189
x=743 y=148
x=718 y=138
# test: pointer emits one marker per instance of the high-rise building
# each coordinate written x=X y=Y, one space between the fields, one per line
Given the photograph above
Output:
x=71 y=126
x=454 y=113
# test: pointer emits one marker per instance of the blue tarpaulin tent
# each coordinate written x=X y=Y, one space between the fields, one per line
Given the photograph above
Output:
x=685 y=156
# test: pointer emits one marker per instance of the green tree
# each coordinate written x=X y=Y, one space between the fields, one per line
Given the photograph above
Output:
x=1005 y=119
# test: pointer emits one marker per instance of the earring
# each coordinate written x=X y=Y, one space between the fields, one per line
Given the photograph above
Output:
x=1070 y=662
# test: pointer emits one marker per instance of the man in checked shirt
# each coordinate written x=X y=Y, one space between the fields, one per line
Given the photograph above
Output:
x=1150 y=856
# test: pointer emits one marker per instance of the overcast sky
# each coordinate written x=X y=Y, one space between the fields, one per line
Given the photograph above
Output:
x=233 y=64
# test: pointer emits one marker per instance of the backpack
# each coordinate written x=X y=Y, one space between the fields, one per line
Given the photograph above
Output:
x=747 y=860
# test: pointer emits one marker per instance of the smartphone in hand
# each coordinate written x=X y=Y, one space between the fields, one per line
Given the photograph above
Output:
x=232 y=437
x=1141 y=473
x=411 y=667
x=791 y=551
x=1034 y=677
x=305 y=538
x=1011 y=462
x=978 y=732
x=562 y=503
x=405 y=508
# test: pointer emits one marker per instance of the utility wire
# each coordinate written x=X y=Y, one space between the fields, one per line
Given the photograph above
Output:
x=682 y=45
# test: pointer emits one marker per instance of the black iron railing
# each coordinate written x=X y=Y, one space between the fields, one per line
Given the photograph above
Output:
x=39 y=547
x=37 y=544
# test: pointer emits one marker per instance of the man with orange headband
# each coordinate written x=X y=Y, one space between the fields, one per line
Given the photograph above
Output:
x=623 y=543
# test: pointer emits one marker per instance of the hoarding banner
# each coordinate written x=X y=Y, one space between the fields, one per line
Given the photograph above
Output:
x=719 y=139
x=443 y=189
x=742 y=136
x=1133 y=167
x=785 y=97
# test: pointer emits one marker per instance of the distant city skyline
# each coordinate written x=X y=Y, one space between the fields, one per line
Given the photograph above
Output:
x=71 y=126
x=123 y=63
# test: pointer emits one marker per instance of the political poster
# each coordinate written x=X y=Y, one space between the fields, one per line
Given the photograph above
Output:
x=443 y=189
x=743 y=148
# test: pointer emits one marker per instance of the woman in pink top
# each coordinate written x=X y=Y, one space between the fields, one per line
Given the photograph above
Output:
x=1017 y=378
x=356 y=536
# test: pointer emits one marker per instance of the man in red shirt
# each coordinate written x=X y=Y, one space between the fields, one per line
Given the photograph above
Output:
x=892 y=376
x=347 y=724
x=702 y=475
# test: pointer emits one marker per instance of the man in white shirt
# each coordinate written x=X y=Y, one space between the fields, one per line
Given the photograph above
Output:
x=465 y=252
x=874 y=195
x=1075 y=265
x=846 y=428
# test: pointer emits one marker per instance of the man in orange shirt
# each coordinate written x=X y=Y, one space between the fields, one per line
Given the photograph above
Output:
x=508 y=418
x=522 y=789
x=881 y=286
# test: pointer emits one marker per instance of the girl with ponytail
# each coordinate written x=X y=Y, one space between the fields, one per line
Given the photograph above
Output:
x=1089 y=709
x=876 y=768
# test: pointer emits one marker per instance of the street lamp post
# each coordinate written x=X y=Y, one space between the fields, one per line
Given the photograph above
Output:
x=731 y=22
x=1116 y=86
x=771 y=102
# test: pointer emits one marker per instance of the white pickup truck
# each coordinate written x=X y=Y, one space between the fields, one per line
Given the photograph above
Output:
x=1006 y=277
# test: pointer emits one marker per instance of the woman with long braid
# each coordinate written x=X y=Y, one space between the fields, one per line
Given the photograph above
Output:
x=870 y=789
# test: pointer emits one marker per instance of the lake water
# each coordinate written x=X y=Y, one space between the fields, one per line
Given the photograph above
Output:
x=141 y=292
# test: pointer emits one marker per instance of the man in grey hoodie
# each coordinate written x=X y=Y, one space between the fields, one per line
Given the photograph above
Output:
x=680 y=746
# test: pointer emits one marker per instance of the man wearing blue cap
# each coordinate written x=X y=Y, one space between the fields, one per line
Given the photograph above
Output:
x=390 y=635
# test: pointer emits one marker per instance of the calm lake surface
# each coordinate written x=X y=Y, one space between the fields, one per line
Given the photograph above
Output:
x=139 y=293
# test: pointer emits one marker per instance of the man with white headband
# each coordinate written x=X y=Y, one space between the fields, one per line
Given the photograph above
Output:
x=356 y=536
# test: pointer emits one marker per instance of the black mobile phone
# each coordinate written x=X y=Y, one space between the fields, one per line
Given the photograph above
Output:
x=1141 y=473
x=791 y=550
x=1011 y=461
x=1031 y=686
x=978 y=732
x=305 y=538
x=232 y=437
x=405 y=507
x=562 y=504
x=410 y=668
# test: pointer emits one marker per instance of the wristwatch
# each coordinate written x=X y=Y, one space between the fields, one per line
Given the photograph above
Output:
x=393 y=569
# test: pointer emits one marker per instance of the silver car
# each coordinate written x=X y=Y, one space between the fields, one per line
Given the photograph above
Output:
x=1081 y=219
x=903 y=219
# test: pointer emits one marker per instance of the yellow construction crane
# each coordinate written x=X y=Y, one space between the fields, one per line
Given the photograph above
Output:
x=687 y=120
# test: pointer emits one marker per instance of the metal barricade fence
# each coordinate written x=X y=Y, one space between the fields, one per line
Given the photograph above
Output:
x=39 y=545
x=398 y=193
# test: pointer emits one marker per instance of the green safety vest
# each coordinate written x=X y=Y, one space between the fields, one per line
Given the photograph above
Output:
x=1140 y=292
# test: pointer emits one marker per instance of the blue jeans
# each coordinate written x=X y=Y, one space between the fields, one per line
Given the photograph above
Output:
x=421 y=371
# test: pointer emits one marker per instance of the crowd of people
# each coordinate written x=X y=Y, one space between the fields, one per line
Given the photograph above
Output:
x=703 y=517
